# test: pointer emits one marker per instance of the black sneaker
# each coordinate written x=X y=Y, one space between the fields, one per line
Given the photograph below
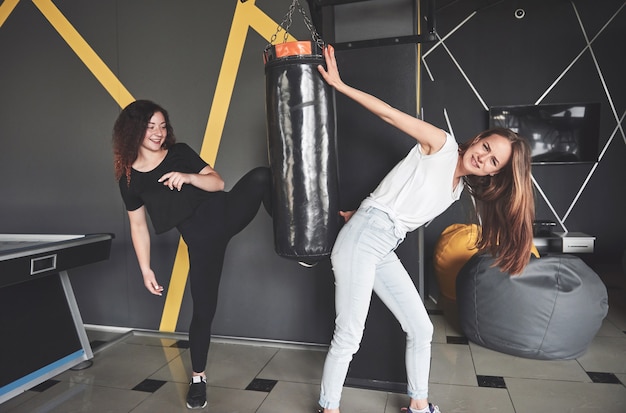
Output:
x=196 y=397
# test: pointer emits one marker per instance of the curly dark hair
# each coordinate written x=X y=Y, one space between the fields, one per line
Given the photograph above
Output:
x=505 y=204
x=129 y=131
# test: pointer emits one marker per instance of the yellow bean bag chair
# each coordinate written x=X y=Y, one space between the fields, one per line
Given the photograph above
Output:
x=456 y=245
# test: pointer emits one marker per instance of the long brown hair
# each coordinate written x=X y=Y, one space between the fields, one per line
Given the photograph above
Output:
x=505 y=205
x=129 y=131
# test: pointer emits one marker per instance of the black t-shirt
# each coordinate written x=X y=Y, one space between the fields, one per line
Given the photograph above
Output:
x=167 y=208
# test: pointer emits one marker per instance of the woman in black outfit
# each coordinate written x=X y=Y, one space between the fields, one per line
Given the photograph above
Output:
x=170 y=182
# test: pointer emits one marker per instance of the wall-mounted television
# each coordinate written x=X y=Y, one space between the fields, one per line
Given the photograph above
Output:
x=557 y=133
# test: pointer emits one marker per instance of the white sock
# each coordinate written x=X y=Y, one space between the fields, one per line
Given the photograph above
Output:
x=424 y=410
x=197 y=379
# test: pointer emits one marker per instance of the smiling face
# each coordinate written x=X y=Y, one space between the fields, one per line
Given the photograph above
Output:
x=486 y=156
x=156 y=132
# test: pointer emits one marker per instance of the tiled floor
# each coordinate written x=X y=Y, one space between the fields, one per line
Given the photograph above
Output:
x=145 y=372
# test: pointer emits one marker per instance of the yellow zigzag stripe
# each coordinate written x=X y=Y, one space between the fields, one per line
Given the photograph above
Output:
x=93 y=62
x=6 y=8
x=246 y=15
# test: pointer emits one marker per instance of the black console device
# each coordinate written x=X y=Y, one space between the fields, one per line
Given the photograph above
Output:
x=543 y=228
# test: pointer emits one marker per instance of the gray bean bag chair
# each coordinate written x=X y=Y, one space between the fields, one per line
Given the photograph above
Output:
x=551 y=311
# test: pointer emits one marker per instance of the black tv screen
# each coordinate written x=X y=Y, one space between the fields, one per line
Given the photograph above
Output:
x=557 y=133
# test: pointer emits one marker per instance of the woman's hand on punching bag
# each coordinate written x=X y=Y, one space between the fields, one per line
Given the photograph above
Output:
x=331 y=73
x=346 y=215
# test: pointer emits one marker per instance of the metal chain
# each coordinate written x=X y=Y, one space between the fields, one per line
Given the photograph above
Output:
x=286 y=25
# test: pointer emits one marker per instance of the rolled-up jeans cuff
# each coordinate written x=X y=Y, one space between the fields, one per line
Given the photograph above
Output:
x=417 y=396
x=324 y=404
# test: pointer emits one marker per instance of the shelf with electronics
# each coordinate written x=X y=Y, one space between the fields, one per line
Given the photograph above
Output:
x=558 y=134
x=549 y=241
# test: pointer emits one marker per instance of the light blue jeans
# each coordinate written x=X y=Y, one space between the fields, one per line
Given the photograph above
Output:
x=363 y=261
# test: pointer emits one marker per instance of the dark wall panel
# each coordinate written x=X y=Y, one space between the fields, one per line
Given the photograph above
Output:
x=492 y=58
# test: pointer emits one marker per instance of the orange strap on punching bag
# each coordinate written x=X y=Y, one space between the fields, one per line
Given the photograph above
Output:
x=301 y=136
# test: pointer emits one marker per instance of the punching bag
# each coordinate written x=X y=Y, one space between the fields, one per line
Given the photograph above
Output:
x=301 y=136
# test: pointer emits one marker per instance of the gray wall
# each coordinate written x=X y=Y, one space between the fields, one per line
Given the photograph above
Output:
x=57 y=120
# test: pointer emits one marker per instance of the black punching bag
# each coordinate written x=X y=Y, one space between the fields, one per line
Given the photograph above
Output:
x=302 y=152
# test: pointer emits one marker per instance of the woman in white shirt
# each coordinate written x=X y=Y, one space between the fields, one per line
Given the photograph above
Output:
x=494 y=166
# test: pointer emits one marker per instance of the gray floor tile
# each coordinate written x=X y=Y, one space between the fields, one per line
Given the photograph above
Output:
x=177 y=370
x=606 y=354
x=452 y=364
x=531 y=396
x=171 y=398
x=363 y=401
x=492 y=363
x=123 y=365
x=440 y=333
x=302 y=366
x=235 y=366
x=228 y=365
x=287 y=397
x=80 y=397
x=452 y=330
x=223 y=400
x=608 y=329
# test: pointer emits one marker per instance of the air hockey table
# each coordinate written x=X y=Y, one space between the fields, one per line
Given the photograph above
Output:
x=42 y=333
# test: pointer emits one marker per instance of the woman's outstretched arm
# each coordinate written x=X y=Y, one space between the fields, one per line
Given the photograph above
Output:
x=140 y=236
x=430 y=137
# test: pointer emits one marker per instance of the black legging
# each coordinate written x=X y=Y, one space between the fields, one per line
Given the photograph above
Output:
x=207 y=234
